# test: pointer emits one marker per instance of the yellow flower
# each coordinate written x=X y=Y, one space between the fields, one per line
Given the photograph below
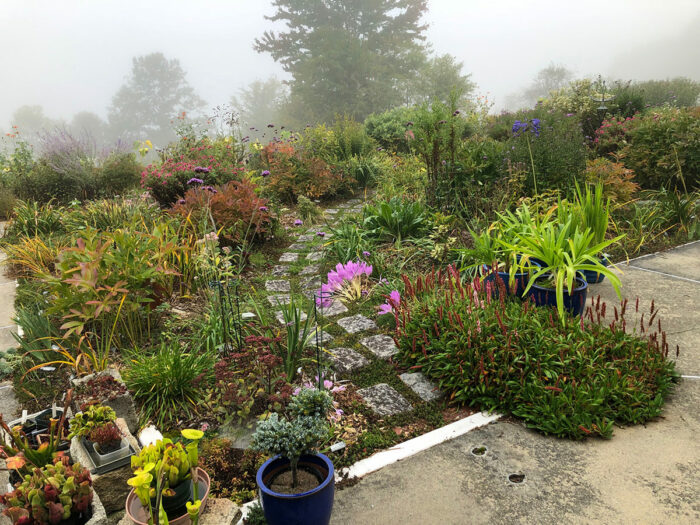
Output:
x=149 y=144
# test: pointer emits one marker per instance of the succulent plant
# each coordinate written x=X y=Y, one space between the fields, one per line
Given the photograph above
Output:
x=50 y=494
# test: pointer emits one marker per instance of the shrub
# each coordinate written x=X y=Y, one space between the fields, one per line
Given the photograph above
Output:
x=235 y=208
x=45 y=183
x=403 y=176
x=396 y=219
x=119 y=172
x=168 y=382
x=7 y=202
x=679 y=92
x=617 y=180
x=389 y=128
x=570 y=379
x=138 y=214
x=553 y=143
x=308 y=210
x=577 y=102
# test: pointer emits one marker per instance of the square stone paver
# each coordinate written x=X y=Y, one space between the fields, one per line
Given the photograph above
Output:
x=311 y=283
x=346 y=360
x=280 y=271
x=314 y=256
x=289 y=257
x=335 y=308
x=331 y=211
x=297 y=246
x=278 y=286
x=310 y=269
x=280 y=317
x=421 y=386
x=278 y=299
x=384 y=400
x=323 y=337
x=381 y=345
x=307 y=237
x=356 y=323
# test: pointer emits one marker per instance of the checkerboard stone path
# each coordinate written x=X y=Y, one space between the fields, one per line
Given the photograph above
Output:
x=384 y=400
x=356 y=323
x=278 y=286
x=380 y=345
x=346 y=360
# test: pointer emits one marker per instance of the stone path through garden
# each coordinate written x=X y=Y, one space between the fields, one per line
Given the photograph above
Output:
x=8 y=404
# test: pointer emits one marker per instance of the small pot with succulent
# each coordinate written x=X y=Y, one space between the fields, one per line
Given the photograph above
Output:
x=296 y=485
x=168 y=485
x=103 y=439
x=57 y=493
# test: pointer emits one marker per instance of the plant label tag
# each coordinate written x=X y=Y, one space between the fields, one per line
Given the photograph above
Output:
x=53 y=410
x=48 y=368
x=24 y=417
x=340 y=445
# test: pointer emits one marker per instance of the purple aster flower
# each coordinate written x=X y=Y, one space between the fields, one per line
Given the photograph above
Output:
x=262 y=208
x=195 y=180
x=201 y=169
x=298 y=222
x=265 y=173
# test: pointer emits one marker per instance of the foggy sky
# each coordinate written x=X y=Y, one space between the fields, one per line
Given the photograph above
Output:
x=72 y=55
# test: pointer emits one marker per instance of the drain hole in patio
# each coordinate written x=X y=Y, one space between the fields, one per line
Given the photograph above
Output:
x=516 y=478
x=479 y=451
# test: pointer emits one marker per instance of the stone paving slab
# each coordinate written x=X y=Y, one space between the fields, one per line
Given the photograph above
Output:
x=421 y=385
x=311 y=283
x=280 y=316
x=380 y=345
x=278 y=299
x=336 y=308
x=278 y=286
x=298 y=246
x=289 y=257
x=314 y=256
x=331 y=211
x=307 y=237
x=6 y=339
x=311 y=269
x=356 y=323
x=346 y=360
x=323 y=337
x=279 y=271
x=384 y=400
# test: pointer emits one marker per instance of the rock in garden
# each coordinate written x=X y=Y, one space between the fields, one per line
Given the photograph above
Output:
x=289 y=257
x=346 y=360
x=297 y=246
x=311 y=283
x=307 y=237
x=279 y=299
x=277 y=286
x=311 y=269
x=280 y=271
x=356 y=323
x=421 y=386
x=384 y=400
x=280 y=317
x=381 y=345
x=315 y=256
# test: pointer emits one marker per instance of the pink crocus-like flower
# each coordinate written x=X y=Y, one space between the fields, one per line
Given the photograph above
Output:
x=298 y=222
x=392 y=303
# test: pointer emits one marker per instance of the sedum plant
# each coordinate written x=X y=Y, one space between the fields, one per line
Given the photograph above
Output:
x=50 y=495
x=300 y=434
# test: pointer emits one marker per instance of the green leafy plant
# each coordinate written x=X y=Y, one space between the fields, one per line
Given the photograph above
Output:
x=308 y=210
x=395 y=220
x=569 y=379
x=91 y=419
x=164 y=381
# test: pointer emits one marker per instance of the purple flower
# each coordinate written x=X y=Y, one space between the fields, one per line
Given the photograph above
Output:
x=270 y=125
x=321 y=234
x=535 y=126
x=202 y=169
x=343 y=273
x=262 y=208
x=569 y=114
x=518 y=127
x=209 y=188
x=265 y=173
x=455 y=113
x=181 y=201
x=298 y=222
x=195 y=180
x=409 y=123
x=442 y=122
x=366 y=253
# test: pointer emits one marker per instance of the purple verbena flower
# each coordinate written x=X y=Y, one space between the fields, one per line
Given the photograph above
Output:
x=195 y=180
x=262 y=208
x=265 y=173
x=201 y=169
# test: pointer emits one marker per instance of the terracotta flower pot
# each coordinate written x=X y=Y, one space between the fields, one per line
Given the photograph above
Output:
x=138 y=515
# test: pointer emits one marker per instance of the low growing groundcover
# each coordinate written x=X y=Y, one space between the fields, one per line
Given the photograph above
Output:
x=571 y=379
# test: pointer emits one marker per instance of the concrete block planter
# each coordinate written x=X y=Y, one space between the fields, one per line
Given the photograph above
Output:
x=122 y=404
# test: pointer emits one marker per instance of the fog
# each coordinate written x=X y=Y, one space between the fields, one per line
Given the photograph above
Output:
x=73 y=55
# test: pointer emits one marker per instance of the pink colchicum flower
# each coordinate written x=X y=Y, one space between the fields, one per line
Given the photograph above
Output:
x=392 y=303
x=345 y=276
x=298 y=222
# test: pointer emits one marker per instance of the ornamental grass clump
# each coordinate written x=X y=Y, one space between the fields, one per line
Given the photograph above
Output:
x=571 y=379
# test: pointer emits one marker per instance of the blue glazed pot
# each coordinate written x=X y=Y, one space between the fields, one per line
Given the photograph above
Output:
x=575 y=302
x=311 y=507
x=521 y=280
x=595 y=277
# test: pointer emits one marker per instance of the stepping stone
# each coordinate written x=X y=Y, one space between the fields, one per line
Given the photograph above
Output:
x=308 y=237
x=421 y=385
x=381 y=345
x=280 y=271
x=356 y=323
x=353 y=202
x=278 y=286
x=280 y=317
x=289 y=257
x=314 y=256
x=297 y=246
x=310 y=269
x=346 y=360
x=331 y=211
x=312 y=283
x=355 y=210
x=384 y=400
x=323 y=337
x=278 y=299
x=335 y=308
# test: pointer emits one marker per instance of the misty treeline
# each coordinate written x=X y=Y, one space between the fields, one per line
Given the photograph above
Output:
x=343 y=58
